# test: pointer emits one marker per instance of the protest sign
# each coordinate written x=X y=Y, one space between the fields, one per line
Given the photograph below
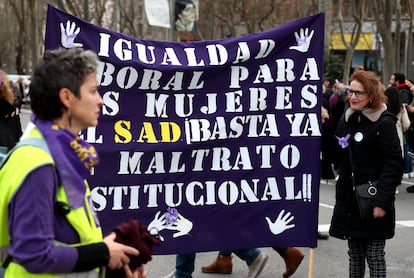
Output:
x=213 y=144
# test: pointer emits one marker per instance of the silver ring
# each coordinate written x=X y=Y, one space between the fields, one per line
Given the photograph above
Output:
x=372 y=190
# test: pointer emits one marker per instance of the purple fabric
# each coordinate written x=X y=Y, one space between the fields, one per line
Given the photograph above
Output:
x=34 y=226
x=226 y=132
x=71 y=155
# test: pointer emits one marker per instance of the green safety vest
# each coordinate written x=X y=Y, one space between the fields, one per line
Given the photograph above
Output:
x=12 y=174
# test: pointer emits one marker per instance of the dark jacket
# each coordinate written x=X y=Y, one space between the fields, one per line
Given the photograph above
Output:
x=10 y=126
x=376 y=154
x=405 y=94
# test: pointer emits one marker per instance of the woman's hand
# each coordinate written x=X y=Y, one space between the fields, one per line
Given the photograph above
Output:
x=140 y=272
x=378 y=212
x=118 y=253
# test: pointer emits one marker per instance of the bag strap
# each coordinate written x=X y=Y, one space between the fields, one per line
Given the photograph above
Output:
x=37 y=142
x=7 y=261
x=352 y=163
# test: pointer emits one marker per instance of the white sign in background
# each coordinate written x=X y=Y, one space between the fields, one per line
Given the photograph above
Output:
x=158 y=13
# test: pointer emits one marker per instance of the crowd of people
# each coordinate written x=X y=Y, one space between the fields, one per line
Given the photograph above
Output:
x=367 y=138
x=399 y=99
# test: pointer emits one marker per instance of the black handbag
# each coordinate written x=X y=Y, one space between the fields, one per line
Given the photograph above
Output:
x=364 y=193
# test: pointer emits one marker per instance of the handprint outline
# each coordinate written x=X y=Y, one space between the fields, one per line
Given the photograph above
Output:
x=171 y=220
x=157 y=225
x=303 y=40
x=282 y=222
x=69 y=34
x=182 y=225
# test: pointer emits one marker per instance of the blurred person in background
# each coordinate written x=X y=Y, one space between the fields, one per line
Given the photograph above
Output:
x=185 y=16
x=10 y=126
x=395 y=106
x=22 y=86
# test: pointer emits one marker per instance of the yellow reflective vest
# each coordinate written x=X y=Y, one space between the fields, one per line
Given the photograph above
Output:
x=12 y=174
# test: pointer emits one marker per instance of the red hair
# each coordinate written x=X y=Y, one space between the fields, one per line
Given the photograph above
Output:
x=372 y=86
x=5 y=90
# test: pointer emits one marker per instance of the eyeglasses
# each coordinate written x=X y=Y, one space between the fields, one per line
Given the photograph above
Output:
x=357 y=93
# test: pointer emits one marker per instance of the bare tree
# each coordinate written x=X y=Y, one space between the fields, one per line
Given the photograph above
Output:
x=358 y=11
x=218 y=19
x=326 y=6
x=230 y=18
x=18 y=10
x=129 y=23
x=33 y=31
x=410 y=55
x=383 y=11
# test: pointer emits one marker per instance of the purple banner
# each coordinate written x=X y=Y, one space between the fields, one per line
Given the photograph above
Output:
x=214 y=144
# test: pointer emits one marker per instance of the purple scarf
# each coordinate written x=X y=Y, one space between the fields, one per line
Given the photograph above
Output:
x=74 y=158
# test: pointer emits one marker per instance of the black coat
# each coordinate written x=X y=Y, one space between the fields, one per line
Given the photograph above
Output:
x=376 y=154
x=10 y=126
x=405 y=94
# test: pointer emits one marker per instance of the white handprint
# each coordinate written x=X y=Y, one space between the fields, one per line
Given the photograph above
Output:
x=281 y=223
x=157 y=225
x=68 y=35
x=303 y=40
x=181 y=224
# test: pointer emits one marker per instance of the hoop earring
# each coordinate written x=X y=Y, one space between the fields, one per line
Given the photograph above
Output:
x=69 y=119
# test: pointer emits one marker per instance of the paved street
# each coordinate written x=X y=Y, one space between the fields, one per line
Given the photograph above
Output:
x=330 y=259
